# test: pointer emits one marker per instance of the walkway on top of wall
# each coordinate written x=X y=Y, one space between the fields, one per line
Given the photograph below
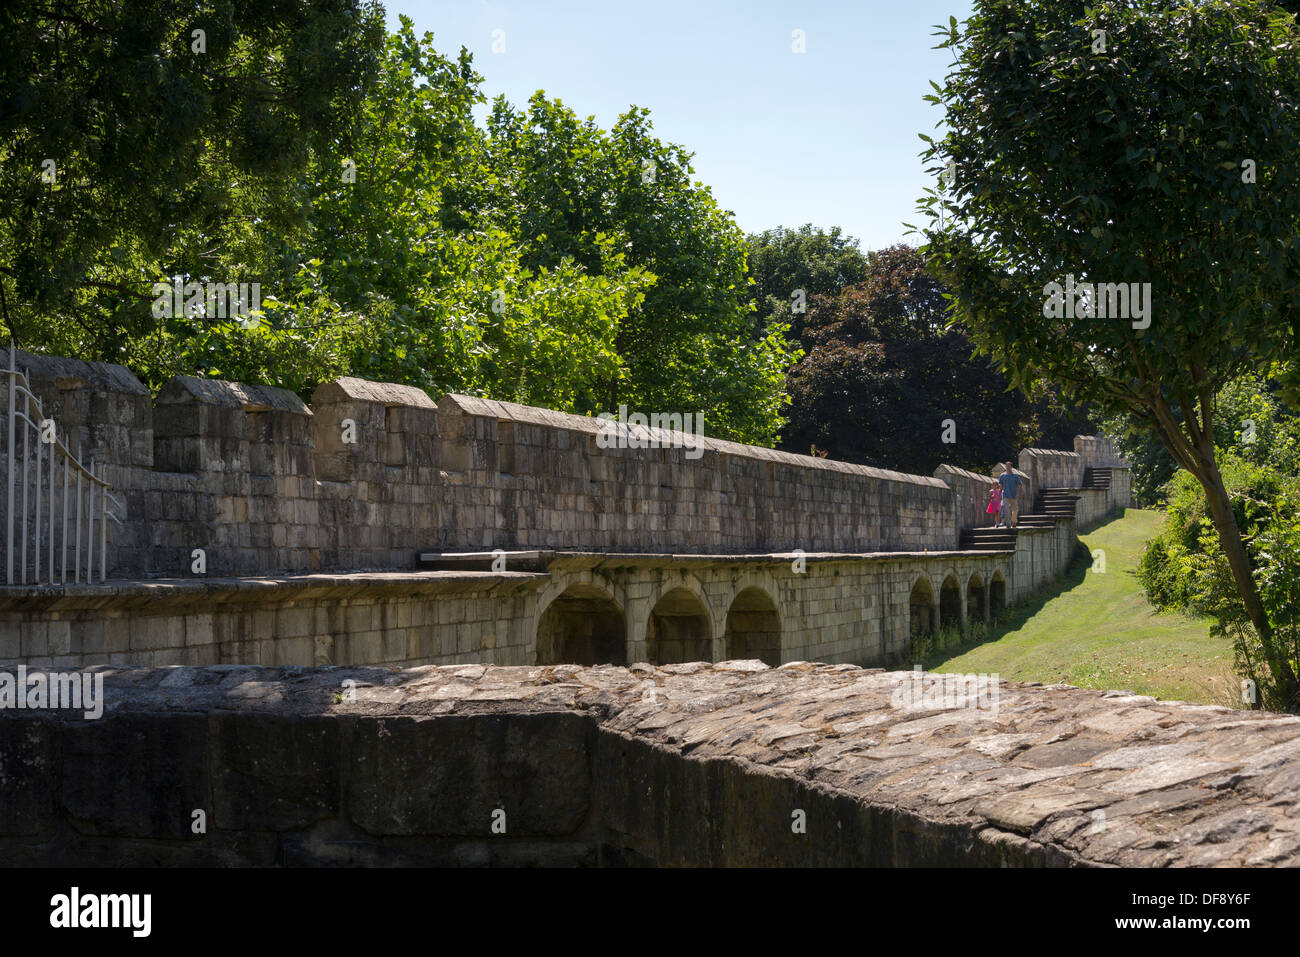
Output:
x=584 y=559
x=463 y=569
x=427 y=581
x=155 y=591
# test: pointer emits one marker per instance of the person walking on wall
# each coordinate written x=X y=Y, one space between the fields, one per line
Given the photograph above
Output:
x=995 y=504
x=1010 y=483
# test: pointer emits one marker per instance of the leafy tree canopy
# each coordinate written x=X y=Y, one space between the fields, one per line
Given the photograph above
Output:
x=126 y=124
x=537 y=258
x=1159 y=151
x=790 y=266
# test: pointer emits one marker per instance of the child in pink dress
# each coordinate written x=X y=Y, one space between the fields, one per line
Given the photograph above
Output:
x=995 y=504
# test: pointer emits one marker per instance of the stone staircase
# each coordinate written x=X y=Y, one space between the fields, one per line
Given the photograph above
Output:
x=1057 y=502
x=1098 y=478
x=988 y=539
x=1053 y=503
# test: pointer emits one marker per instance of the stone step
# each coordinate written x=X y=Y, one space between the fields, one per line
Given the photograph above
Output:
x=1096 y=478
x=1037 y=521
x=988 y=539
x=1057 y=502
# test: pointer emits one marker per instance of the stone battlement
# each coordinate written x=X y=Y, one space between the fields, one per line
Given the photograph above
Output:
x=371 y=473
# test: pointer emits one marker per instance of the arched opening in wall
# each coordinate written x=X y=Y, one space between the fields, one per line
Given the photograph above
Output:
x=950 y=604
x=997 y=596
x=920 y=606
x=977 y=600
x=754 y=628
x=583 y=626
x=678 y=629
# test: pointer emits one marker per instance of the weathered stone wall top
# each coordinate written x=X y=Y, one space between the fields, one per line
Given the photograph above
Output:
x=1059 y=774
x=230 y=395
x=390 y=394
x=68 y=374
x=970 y=495
x=1048 y=468
x=513 y=412
x=547 y=479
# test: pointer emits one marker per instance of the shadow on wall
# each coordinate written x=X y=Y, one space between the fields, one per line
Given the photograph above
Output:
x=754 y=628
x=977 y=607
x=583 y=626
x=678 y=630
x=950 y=604
x=922 y=612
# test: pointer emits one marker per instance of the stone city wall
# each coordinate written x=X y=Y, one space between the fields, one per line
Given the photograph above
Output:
x=970 y=495
x=371 y=473
x=662 y=554
x=1048 y=468
x=1098 y=451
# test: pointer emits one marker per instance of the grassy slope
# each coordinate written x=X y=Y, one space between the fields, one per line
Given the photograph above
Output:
x=1098 y=631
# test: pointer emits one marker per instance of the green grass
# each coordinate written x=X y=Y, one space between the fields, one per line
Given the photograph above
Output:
x=1097 y=630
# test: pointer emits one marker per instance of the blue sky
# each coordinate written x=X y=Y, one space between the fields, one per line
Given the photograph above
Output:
x=828 y=136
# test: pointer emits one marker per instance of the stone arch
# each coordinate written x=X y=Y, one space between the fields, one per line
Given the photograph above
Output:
x=753 y=627
x=921 y=604
x=977 y=599
x=997 y=594
x=582 y=625
x=950 y=603
x=679 y=627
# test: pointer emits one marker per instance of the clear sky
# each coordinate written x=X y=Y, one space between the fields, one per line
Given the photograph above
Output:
x=828 y=136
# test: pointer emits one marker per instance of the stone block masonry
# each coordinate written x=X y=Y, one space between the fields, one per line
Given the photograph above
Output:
x=693 y=764
x=658 y=608
x=373 y=472
x=970 y=492
x=260 y=530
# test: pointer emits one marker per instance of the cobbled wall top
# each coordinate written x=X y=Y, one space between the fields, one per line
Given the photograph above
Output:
x=619 y=765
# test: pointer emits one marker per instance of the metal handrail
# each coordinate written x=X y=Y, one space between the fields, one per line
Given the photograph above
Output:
x=20 y=387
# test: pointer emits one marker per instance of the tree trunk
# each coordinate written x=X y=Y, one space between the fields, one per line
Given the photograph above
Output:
x=1225 y=522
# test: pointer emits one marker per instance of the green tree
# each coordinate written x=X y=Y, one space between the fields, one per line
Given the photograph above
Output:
x=692 y=344
x=127 y=125
x=538 y=259
x=418 y=242
x=789 y=266
x=1122 y=158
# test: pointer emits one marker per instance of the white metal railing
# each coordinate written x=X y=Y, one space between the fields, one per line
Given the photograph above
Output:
x=36 y=471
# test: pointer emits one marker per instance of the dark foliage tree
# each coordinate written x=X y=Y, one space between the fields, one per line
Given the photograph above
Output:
x=883 y=372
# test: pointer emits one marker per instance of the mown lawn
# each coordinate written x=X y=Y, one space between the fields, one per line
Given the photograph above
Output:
x=1098 y=631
